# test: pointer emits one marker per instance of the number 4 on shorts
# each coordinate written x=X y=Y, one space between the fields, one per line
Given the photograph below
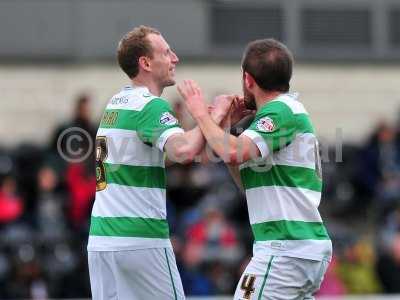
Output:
x=247 y=286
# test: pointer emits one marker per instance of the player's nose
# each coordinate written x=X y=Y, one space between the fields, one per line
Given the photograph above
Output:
x=175 y=58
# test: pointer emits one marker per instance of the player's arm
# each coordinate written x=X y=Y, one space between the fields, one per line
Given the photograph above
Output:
x=158 y=127
x=183 y=147
x=237 y=113
x=223 y=114
x=231 y=149
x=272 y=129
x=190 y=146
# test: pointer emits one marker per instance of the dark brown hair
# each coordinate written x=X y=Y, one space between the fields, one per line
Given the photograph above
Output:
x=132 y=46
x=270 y=63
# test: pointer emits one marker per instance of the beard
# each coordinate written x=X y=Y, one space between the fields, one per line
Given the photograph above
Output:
x=249 y=100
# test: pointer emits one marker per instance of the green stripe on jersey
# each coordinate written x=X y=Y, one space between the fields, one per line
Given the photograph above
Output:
x=302 y=121
x=137 y=176
x=120 y=119
x=129 y=227
x=289 y=230
x=303 y=124
x=280 y=175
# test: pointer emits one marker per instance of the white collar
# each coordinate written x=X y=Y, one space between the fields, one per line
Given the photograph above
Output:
x=142 y=88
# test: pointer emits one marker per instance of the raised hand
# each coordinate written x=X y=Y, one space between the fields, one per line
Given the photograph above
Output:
x=193 y=98
x=221 y=107
x=238 y=110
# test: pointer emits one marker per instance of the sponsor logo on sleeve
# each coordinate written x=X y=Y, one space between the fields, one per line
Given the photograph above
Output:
x=146 y=95
x=266 y=124
x=168 y=119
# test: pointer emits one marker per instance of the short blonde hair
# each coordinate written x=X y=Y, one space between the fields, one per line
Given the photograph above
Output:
x=132 y=46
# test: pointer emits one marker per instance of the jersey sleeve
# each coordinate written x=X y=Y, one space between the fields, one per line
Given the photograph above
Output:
x=273 y=128
x=156 y=123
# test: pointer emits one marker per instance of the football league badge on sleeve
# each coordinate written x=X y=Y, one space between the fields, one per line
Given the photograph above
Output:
x=168 y=119
x=266 y=124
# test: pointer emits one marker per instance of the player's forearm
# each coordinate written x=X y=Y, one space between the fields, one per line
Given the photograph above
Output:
x=183 y=148
x=189 y=146
x=195 y=141
x=207 y=155
x=224 y=144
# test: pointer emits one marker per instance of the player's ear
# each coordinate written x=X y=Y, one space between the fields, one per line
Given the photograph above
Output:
x=144 y=63
x=248 y=80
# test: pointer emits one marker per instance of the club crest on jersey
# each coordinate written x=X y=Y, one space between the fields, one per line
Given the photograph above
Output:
x=168 y=119
x=266 y=124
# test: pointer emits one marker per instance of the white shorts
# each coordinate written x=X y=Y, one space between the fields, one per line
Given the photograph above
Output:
x=280 y=278
x=135 y=275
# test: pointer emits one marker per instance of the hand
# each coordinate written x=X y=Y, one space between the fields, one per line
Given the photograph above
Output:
x=226 y=123
x=223 y=121
x=222 y=105
x=238 y=110
x=193 y=97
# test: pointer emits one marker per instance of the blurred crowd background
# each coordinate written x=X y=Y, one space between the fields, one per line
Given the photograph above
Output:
x=45 y=204
x=58 y=70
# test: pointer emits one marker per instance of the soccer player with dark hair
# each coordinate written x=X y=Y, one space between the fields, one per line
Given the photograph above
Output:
x=276 y=161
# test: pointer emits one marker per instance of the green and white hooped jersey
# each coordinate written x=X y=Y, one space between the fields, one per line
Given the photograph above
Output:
x=283 y=187
x=130 y=209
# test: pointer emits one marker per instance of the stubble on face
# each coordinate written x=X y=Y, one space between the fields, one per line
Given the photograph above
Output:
x=164 y=65
x=249 y=99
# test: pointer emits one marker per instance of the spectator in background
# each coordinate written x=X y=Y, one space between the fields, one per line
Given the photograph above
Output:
x=81 y=186
x=50 y=210
x=212 y=237
x=81 y=118
x=194 y=279
x=389 y=165
x=80 y=180
x=356 y=268
x=27 y=278
x=388 y=263
x=332 y=284
x=211 y=242
x=381 y=167
x=11 y=206
x=75 y=137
